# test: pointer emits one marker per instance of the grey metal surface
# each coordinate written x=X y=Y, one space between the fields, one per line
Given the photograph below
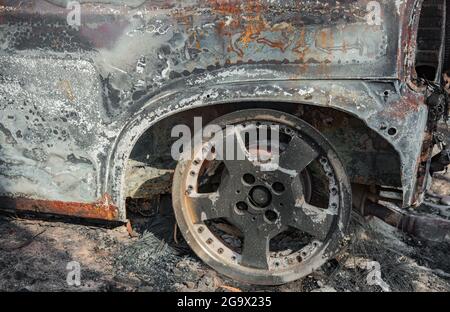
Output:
x=75 y=99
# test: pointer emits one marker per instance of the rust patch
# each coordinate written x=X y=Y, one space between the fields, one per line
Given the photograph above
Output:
x=273 y=44
x=301 y=46
x=431 y=228
x=101 y=210
x=228 y=7
x=409 y=102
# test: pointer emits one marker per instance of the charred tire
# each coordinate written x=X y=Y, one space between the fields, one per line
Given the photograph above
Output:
x=258 y=224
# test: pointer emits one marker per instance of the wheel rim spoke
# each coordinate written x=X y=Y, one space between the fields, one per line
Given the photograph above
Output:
x=236 y=167
x=215 y=205
x=255 y=249
x=297 y=156
x=313 y=220
x=209 y=206
x=235 y=155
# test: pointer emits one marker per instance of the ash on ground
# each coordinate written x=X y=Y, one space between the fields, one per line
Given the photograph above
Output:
x=34 y=255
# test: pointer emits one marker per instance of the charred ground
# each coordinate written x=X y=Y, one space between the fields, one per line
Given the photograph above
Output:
x=34 y=255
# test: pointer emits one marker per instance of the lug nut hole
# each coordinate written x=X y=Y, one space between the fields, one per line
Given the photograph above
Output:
x=241 y=206
x=278 y=187
x=249 y=179
x=271 y=215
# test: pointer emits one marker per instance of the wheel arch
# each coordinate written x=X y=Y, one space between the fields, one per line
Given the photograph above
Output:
x=346 y=97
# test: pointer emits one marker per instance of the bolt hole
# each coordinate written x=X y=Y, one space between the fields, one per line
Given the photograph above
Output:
x=241 y=206
x=392 y=131
x=220 y=251
x=386 y=93
x=278 y=187
x=238 y=191
x=333 y=191
x=200 y=229
x=249 y=179
x=271 y=215
x=192 y=173
x=209 y=241
x=299 y=259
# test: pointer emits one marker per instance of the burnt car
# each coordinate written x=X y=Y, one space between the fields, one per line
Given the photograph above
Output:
x=91 y=92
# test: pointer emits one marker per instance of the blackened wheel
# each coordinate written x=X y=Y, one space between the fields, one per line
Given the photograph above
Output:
x=264 y=209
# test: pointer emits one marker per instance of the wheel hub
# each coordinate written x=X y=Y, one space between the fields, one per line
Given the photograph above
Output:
x=260 y=196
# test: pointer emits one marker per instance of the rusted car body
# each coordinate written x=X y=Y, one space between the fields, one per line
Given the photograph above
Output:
x=79 y=102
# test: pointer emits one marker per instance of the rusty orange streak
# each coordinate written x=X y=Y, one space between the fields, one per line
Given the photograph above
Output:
x=101 y=210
